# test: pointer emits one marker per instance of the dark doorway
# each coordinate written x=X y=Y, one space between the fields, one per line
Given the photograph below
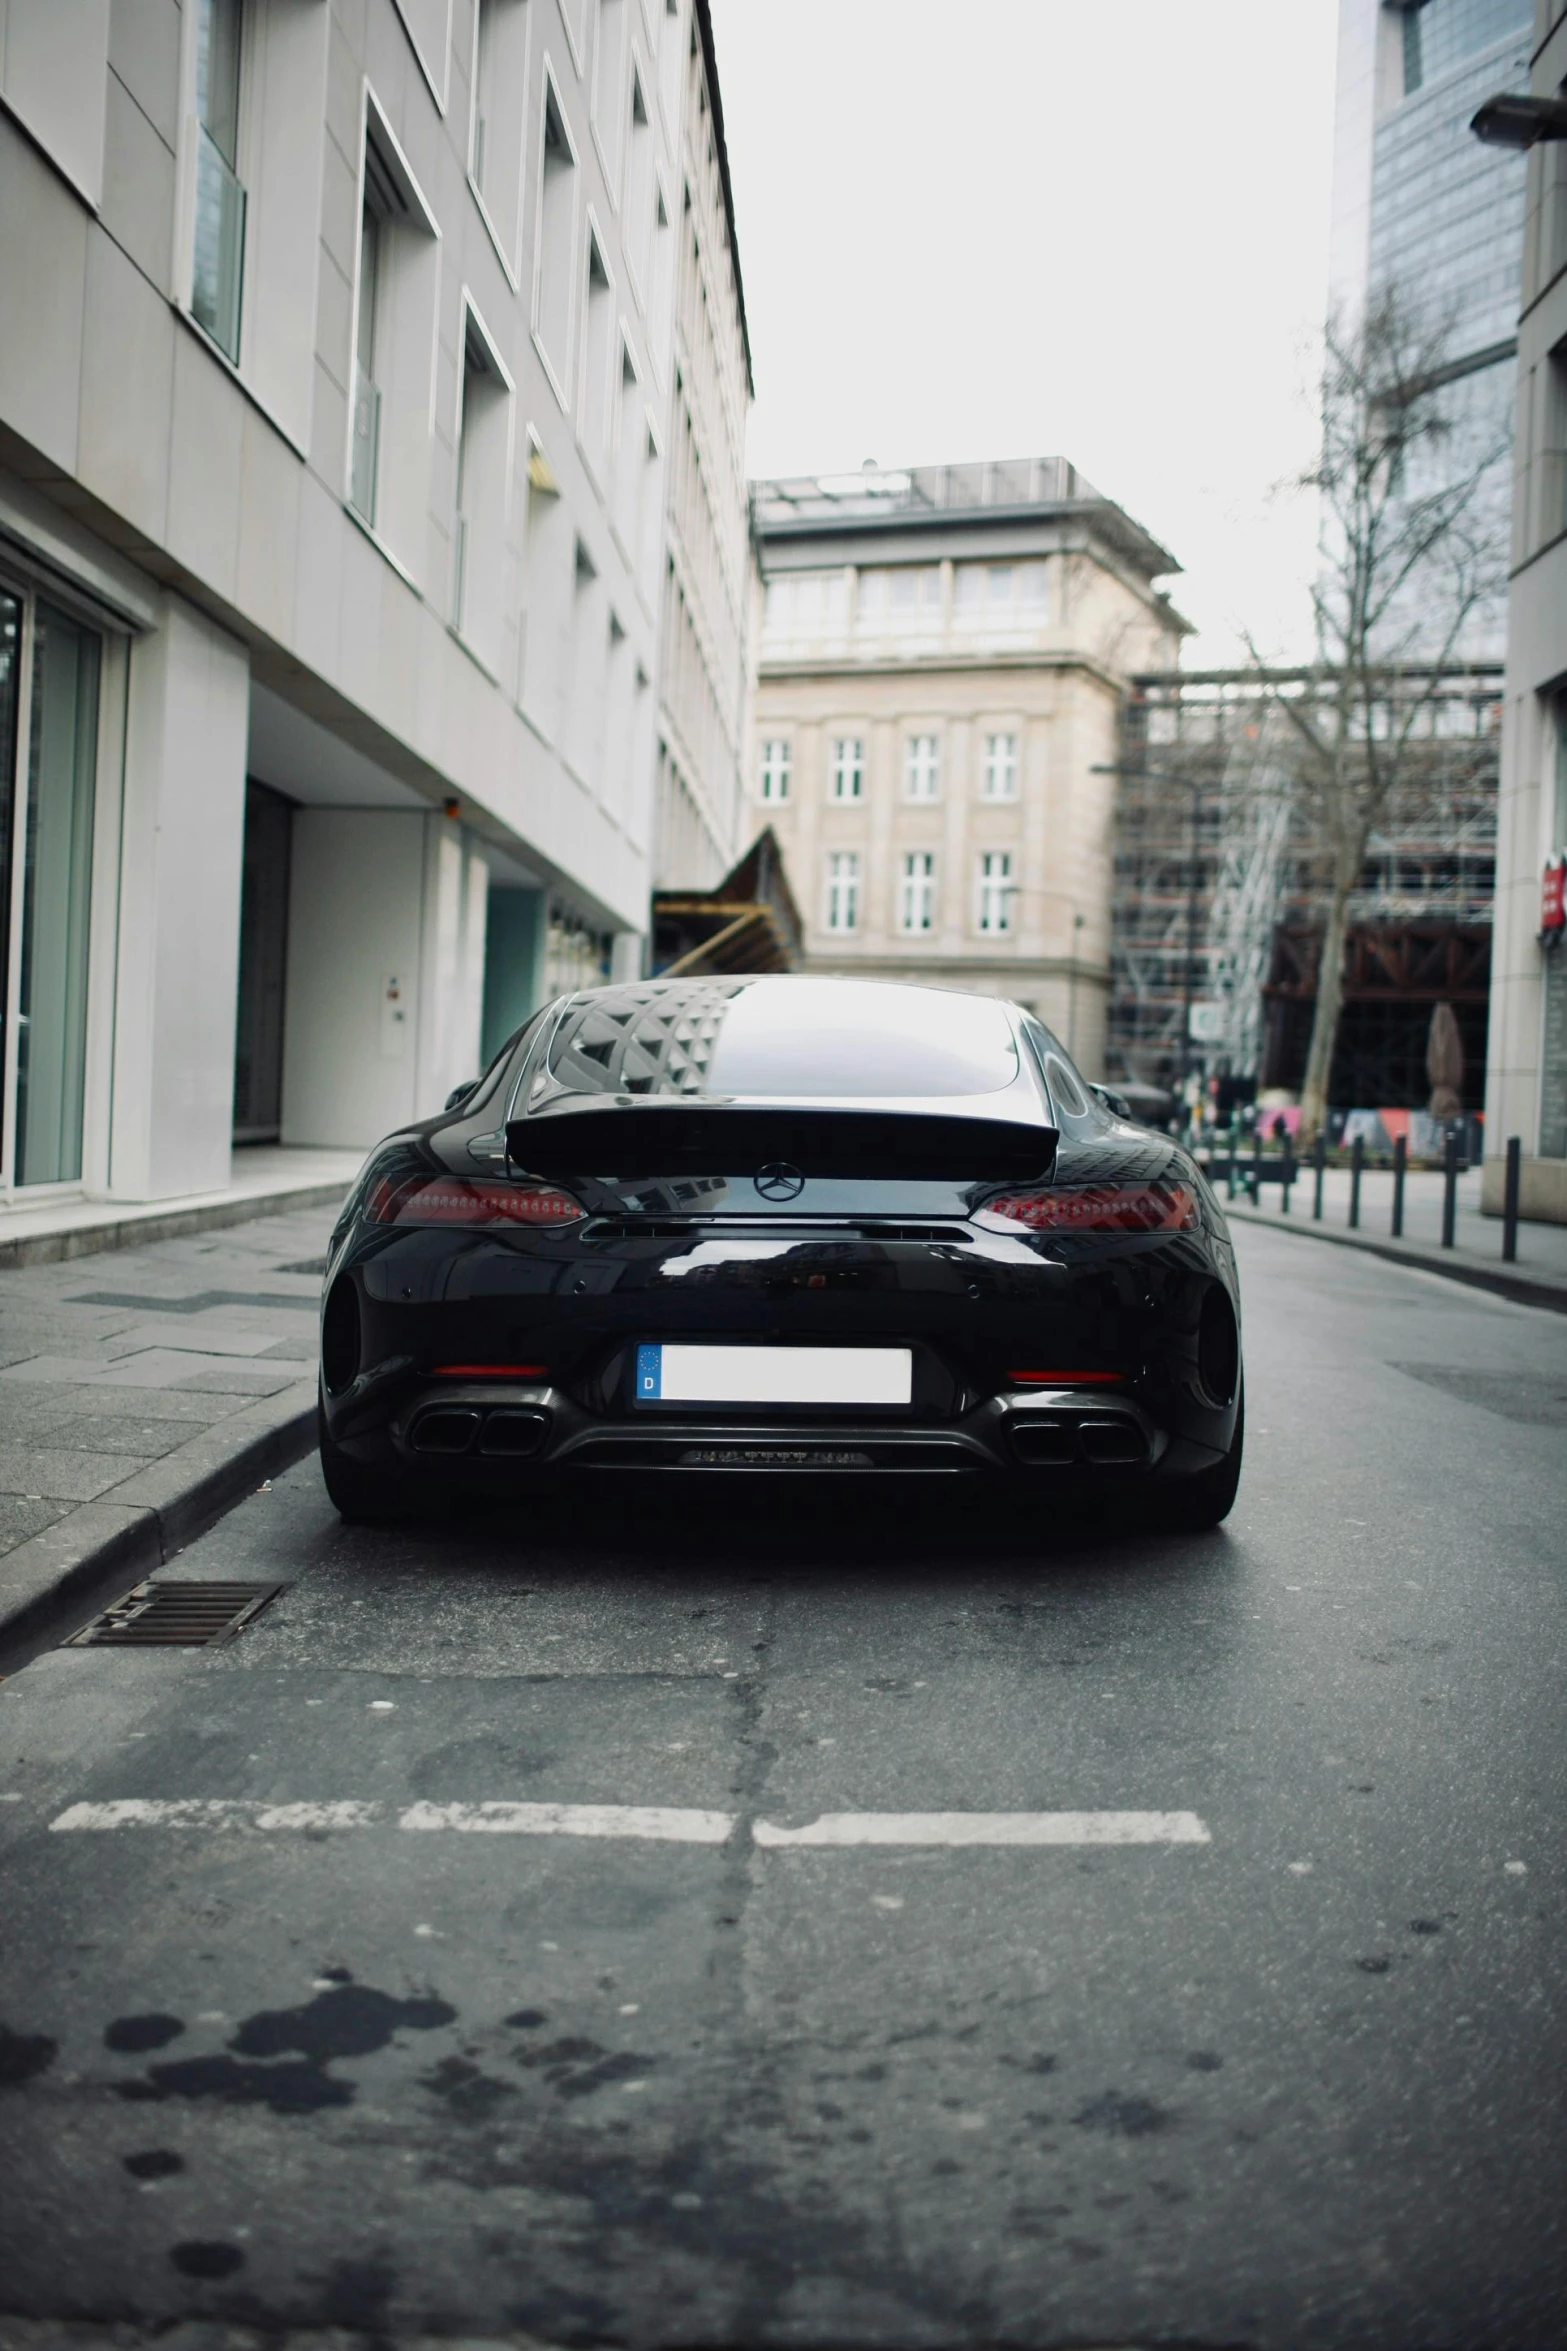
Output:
x=263 y=951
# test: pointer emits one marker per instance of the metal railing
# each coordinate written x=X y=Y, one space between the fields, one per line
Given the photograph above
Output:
x=218 y=271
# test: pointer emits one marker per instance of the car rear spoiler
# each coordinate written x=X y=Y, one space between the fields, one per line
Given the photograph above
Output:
x=638 y=1141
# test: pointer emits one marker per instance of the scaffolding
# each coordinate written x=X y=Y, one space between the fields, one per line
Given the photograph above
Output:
x=1220 y=887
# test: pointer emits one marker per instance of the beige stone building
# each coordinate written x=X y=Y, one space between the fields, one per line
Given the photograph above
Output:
x=941 y=661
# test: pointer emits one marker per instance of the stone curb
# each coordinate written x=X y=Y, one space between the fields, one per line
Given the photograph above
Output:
x=1499 y=1279
x=160 y=1224
x=135 y=1526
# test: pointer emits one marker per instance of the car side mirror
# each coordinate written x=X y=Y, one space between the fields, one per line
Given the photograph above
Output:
x=460 y=1094
x=1115 y=1103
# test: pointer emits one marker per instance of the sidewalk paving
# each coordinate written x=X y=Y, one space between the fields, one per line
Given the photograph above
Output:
x=264 y=1177
x=143 y=1391
x=1538 y=1278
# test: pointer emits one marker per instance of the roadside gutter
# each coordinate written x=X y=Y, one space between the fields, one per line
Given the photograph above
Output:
x=133 y=1528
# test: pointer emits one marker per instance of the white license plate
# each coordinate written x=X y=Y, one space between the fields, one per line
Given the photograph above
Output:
x=683 y=1374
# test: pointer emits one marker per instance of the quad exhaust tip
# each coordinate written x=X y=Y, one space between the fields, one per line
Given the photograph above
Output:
x=506 y=1432
x=1062 y=1441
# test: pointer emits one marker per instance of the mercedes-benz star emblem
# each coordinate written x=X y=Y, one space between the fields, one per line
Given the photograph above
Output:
x=779 y=1181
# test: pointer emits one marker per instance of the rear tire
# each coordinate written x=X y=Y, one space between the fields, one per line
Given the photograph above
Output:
x=366 y=1496
x=1192 y=1505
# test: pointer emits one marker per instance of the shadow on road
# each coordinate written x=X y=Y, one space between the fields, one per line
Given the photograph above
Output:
x=789 y=1531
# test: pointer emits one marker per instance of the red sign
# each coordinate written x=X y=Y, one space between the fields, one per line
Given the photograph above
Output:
x=1553 y=901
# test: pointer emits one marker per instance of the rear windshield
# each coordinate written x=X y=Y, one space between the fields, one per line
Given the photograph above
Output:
x=782 y=1037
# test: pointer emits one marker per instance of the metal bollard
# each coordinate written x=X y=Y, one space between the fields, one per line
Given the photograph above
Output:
x=1450 y=1190
x=1357 y=1160
x=1510 y=1201
x=1287 y=1172
x=1320 y=1161
x=1256 y=1171
x=1230 y=1175
x=1400 y=1165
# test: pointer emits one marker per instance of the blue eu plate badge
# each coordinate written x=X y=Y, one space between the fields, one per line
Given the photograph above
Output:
x=649 y=1371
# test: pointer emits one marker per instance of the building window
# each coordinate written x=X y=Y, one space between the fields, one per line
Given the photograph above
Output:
x=479 y=560
x=1000 y=767
x=396 y=298
x=597 y=358
x=921 y=768
x=609 y=67
x=382 y=205
x=640 y=169
x=917 y=891
x=807 y=607
x=848 y=768
x=1034 y=585
x=217 y=278
x=775 y=768
x=995 y=891
x=49 y=678
x=843 y=890
x=1440 y=34
x=1553 y=455
x=900 y=601
x=497 y=136
x=483 y=84
x=553 y=273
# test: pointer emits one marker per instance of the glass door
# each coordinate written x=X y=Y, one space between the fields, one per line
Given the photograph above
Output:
x=49 y=681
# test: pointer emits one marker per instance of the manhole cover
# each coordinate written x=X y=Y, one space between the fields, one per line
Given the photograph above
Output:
x=174 y=1615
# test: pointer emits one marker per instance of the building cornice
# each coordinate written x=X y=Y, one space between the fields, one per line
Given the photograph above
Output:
x=1102 y=517
x=955 y=664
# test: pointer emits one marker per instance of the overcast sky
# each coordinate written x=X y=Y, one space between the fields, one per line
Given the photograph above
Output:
x=999 y=228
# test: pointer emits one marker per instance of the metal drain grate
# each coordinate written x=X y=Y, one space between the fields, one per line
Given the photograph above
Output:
x=175 y=1615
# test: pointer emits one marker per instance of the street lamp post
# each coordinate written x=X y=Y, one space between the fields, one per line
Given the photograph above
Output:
x=1513 y=119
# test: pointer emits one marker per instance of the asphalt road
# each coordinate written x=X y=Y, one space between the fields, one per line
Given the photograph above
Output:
x=1290 y=2073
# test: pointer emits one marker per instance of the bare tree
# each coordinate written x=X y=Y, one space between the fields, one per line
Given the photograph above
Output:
x=1409 y=557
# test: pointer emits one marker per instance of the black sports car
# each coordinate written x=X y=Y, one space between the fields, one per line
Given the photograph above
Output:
x=781 y=1224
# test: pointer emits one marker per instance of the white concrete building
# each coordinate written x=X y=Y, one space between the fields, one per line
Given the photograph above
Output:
x=1526 y=1079
x=709 y=568
x=336 y=385
x=944 y=653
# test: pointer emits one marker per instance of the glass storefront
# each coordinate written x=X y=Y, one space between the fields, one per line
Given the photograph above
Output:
x=49 y=686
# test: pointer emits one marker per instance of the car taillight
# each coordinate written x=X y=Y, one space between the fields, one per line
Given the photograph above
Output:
x=1097 y=1208
x=453 y=1200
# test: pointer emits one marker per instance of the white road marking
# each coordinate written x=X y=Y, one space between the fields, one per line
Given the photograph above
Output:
x=652 y=1824
x=991 y=1828
x=214 y=1812
x=663 y=1824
